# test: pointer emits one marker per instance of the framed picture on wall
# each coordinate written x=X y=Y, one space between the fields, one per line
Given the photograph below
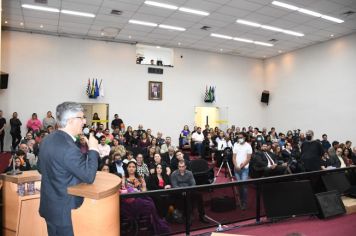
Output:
x=155 y=90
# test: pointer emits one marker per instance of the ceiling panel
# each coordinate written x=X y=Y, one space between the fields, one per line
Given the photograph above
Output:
x=222 y=19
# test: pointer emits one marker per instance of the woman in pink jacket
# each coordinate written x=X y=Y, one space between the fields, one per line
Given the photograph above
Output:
x=34 y=123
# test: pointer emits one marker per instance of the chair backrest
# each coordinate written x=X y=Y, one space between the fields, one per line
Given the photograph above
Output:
x=199 y=166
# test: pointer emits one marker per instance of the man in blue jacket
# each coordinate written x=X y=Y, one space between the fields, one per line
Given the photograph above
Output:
x=62 y=165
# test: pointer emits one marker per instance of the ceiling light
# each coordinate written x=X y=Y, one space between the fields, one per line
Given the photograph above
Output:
x=102 y=33
x=138 y=22
x=130 y=36
x=78 y=13
x=263 y=44
x=268 y=27
x=309 y=12
x=280 y=51
x=6 y=22
x=293 y=33
x=39 y=8
x=330 y=18
x=197 y=12
x=171 y=27
x=41 y=26
x=285 y=5
x=179 y=44
x=163 y=5
x=21 y=23
x=221 y=49
x=331 y=35
x=221 y=36
x=243 y=40
x=158 y=47
x=271 y=28
x=245 y=22
x=306 y=11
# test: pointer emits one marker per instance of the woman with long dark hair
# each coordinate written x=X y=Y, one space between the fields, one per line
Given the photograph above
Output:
x=142 y=207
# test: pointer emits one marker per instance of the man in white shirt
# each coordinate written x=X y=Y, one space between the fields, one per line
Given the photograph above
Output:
x=242 y=152
x=198 y=138
x=104 y=149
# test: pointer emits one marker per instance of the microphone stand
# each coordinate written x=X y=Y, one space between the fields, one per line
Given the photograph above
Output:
x=13 y=171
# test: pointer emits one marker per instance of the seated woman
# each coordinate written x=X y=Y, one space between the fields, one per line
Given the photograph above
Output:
x=142 y=207
x=184 y=137
x=117 y=147
x=155 y=145
x=142 y=168
x=158 y=160
x=160 y=180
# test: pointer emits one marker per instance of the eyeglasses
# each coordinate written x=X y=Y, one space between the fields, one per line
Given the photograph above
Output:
x=79 y=117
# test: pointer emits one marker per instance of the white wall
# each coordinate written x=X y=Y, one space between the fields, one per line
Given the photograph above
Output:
x=46 y=70
x=315 y=88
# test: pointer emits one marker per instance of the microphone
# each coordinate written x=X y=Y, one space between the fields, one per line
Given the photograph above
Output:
x=86 y=131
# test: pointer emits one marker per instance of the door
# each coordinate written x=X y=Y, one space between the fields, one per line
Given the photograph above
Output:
x=101 y=108
x=206 y=116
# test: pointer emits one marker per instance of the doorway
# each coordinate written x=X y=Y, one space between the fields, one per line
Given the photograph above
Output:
x=213 y=116
x=101 y=108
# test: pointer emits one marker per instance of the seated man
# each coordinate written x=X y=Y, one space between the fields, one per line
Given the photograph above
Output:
x=198 y=138
x=184 y=178
x=166 y=145
x=266 y=161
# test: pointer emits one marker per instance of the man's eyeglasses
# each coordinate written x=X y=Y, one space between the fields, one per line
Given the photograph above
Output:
x=79 y=117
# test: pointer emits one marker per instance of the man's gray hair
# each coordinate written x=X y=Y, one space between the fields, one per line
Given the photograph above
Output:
x=67 y=110
x=309 y=132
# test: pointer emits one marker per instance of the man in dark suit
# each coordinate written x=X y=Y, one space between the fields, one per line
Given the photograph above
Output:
x=62 y=165
x=266 y=163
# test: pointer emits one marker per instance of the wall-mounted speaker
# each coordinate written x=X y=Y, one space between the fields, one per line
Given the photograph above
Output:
x=4 y=78
x=152 y=70
x=265 y=97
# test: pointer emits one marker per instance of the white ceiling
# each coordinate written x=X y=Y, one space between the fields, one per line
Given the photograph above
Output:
x=222 y=20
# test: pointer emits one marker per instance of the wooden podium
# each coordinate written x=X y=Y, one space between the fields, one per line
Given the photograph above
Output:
x=99 y=214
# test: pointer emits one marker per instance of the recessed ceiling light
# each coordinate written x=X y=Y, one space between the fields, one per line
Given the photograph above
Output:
x=243 y=40
x=221 y=49
x=78 y=13
x=193 y=11
x=102 y=33
x=306 y=11
x=285 y=5
x=330 y=18
x=245 y=22
x=138 y=22
x=21 y=23
x=331 y=35
x=171 y=27
x=271 y=28
x=309 y=12
x=264 y=56
x=158 y=46
x=280 y=51
x=268 y=27
x=130 y=36
x=163 y=5
x=293 y=33
x=41 y=26
x=39 y=8
x=221 y=36
x=263 y=44
x=179 y=44
x=6 y=22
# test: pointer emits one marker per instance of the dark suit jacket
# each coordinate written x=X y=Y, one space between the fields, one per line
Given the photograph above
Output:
x=261 y=161
x=62 y=165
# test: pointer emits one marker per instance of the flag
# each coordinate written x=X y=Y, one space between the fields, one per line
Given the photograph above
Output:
x=101 y=88
x=96 y=91
x=206 y=97
x=88 y=88
x=210 y=95
x=92 y=92
x=213 y=94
